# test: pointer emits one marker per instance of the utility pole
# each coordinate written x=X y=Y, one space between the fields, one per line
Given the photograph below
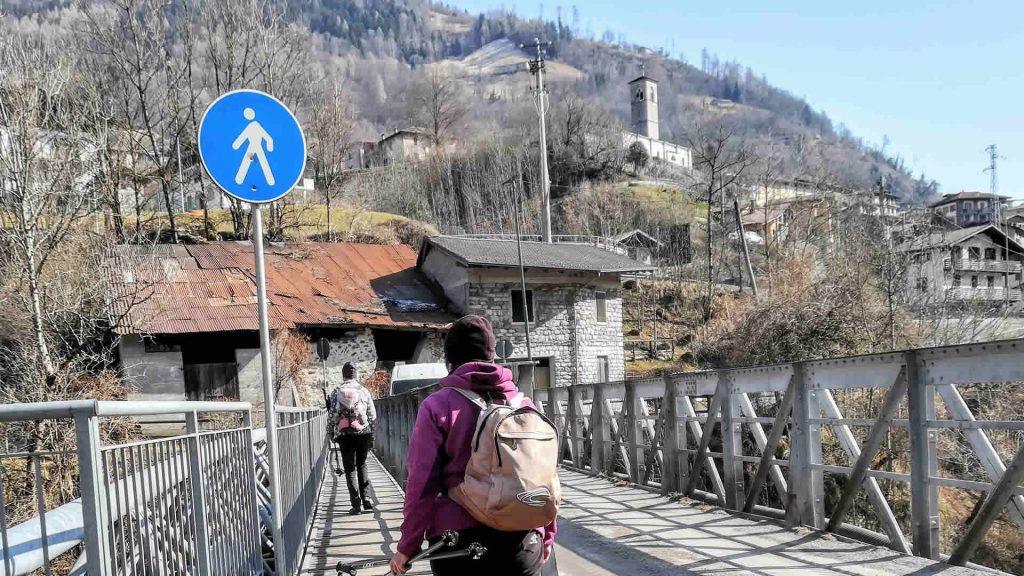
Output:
x=522 y=271
x=746 y=251
x=539 y=92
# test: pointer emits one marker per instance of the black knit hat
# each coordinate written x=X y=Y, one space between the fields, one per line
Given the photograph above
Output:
x=348 y=371
x=469 y=339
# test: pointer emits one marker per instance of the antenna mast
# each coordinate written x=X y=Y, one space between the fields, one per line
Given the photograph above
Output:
x=993 y=157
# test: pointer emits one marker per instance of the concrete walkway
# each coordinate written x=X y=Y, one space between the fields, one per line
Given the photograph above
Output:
x=610 y=530
x=338 y=537
x=628 y=531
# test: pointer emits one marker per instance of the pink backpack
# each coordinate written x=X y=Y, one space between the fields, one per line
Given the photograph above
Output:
x=511 y=480
x=351 y=411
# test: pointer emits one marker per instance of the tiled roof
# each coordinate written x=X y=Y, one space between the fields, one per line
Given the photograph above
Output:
x=947 y=198
x=210 y=287
x=559 y=256
x=954 y=237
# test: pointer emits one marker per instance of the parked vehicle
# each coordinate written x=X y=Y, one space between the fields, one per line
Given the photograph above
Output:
x=406 y=377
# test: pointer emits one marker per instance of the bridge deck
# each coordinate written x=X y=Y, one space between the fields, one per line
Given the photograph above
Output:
x=610 y=530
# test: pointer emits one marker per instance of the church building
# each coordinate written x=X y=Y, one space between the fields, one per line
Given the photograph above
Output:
x=644 y=125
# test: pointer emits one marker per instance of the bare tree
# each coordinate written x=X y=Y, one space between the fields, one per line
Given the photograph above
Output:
x=45 y=167
x=586 y=141
x=332 y=124
x=139 y=45
x=723 y=157
x=436 y=101
x=766 y=175
x=249 y=44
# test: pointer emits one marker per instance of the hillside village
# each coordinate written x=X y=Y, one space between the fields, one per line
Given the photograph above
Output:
x=618 y=214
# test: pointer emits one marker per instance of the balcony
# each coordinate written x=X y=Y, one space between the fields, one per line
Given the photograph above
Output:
x=983 y=294
x=1001 y=266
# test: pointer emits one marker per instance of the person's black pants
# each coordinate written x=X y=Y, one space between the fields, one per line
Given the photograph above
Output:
x=508 y=554
x=354 y=448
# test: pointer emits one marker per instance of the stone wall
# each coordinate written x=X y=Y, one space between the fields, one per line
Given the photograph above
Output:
x=565 y=327
x=358 y=349
x=151 y=375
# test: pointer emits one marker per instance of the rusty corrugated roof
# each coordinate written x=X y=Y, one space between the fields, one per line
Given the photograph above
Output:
x=210 y=287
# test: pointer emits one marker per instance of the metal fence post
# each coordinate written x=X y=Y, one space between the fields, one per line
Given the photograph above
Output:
x=732 y=443
x=199 y=506
x=806 y=484
x=92 y=486
x=629 y=403
x=924 y=496
x=575 y=430
x=597 y=429
x=670 y=440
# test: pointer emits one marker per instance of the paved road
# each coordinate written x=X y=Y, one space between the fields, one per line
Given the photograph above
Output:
x=611 y=530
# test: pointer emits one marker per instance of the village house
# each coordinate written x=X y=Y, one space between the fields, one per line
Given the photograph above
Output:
x=640 y=245
x=970 y=208
x=871 y=203
x=573 y=300
x=963 y=267
x=192 y=328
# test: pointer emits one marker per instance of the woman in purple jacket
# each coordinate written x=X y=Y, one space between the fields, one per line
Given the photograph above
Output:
x=438 y=453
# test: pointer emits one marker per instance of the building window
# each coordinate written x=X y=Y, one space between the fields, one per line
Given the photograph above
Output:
x=922 y=284
x=602 y=368
x=601 y=300
x=974 y=281
x=990 y=253
x=956 y=281
x=991 y=281
x=640 y=94
x=974 y=253
x=517 y=305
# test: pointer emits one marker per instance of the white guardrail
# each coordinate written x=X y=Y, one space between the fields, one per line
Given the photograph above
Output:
x=194 y=503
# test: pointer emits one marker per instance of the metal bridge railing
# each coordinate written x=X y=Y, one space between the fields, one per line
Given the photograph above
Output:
x=765 y=439
x=304 y=446
x=196 y=503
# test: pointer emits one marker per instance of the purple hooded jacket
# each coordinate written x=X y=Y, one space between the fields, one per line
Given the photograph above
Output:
x=439 y=451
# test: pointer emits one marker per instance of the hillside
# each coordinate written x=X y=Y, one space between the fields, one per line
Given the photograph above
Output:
x=379 y=45
x=484 y=47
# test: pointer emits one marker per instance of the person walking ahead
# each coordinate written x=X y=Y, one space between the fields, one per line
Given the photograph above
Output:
x=440 y=451
x=352 y=418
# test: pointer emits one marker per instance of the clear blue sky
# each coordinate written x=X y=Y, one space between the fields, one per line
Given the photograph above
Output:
x=941 y=79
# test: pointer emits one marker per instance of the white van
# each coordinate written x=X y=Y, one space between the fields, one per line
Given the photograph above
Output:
x=406 y=377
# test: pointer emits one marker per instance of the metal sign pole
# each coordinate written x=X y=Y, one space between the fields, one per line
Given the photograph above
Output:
x=268 y=168
x=268 y=387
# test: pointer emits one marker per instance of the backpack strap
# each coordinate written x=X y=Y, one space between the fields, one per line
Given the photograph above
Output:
x=517 y=400
x=473 y=397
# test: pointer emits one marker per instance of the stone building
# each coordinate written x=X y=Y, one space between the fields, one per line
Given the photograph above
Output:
x=573 y=300
x=191 y=329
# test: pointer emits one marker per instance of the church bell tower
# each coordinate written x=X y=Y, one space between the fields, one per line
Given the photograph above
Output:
x=644 y=106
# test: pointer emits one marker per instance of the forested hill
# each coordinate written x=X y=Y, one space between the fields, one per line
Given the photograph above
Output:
x=809 y=143
x=379 y=44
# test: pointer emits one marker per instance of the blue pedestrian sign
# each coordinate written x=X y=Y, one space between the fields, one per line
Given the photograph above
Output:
x=252 y=146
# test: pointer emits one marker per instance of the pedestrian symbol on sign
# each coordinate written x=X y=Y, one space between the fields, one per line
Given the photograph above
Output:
x=252 y=146
x=255 y=135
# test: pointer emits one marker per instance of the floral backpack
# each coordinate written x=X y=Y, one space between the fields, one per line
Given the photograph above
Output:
x=350 y=410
